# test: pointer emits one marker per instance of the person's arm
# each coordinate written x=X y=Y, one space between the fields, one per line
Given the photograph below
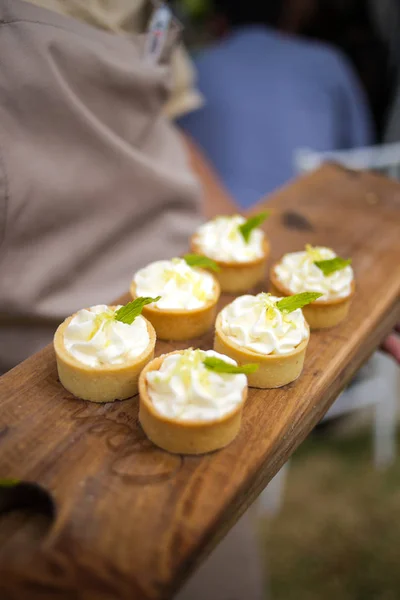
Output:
x=391 y=345
x=217 y=200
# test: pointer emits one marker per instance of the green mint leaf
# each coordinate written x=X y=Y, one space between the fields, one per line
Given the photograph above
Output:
x=220 y=366
x=203 y=262
x=334 y=264
x=291 y=303
x=247 y=227
x=128 y=313
x=6 y=483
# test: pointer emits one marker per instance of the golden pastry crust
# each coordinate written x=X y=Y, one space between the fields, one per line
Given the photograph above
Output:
x=234 y=277
x=319 y=315
x=275 y=370
x=180 y=324
x=100 y=384
x=185 y=437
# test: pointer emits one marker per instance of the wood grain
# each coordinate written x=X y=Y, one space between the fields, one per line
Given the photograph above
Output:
x=132 y=521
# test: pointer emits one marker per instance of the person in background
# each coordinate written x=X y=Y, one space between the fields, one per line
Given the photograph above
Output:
x=270 y=93
x=351 y=27
x=386 y=15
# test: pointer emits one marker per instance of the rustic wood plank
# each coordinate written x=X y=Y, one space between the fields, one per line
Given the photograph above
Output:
x=133 y=521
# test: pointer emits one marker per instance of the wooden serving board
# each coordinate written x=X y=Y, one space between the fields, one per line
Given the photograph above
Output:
x=131 y=521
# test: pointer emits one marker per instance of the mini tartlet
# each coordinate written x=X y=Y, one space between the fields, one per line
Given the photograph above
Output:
x=99 y=358
x=189 y=298
x=242 y=263
x=297 y=272
x=184 y=408
x=253 y=329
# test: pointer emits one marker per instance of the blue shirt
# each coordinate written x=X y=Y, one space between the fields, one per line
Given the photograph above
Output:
x=268 y=95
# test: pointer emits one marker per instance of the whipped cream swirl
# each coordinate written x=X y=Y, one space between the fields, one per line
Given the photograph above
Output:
x=221 y=240
x=298 y=273
x=185 y=390
x=179 y=285
x=95 y=338
x=255 y=323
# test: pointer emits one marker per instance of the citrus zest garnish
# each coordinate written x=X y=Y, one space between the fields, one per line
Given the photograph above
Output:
x=313 y=253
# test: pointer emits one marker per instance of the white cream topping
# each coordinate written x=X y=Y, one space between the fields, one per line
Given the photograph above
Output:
x=255 y=323
x=298 y=273
x=95 y=338
x=184 y=389
x=179 y=285
x=221 y=240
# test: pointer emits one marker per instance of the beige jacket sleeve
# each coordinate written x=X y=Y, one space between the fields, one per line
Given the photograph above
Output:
x=96 y=181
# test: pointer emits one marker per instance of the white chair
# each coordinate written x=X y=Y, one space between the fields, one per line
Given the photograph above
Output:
x=379 y=388
x=384 y=158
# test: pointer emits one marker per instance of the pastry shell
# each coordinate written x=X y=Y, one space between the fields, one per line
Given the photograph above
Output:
x=185 y=437
x=181 y=324
x=105 y=383
x=238 y=277
x=275 y=370
x=319 y=315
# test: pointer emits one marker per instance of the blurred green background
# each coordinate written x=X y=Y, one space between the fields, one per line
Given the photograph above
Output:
x=337 y=536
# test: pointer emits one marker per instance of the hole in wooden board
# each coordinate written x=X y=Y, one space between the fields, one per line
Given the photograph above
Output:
x=27 y=513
